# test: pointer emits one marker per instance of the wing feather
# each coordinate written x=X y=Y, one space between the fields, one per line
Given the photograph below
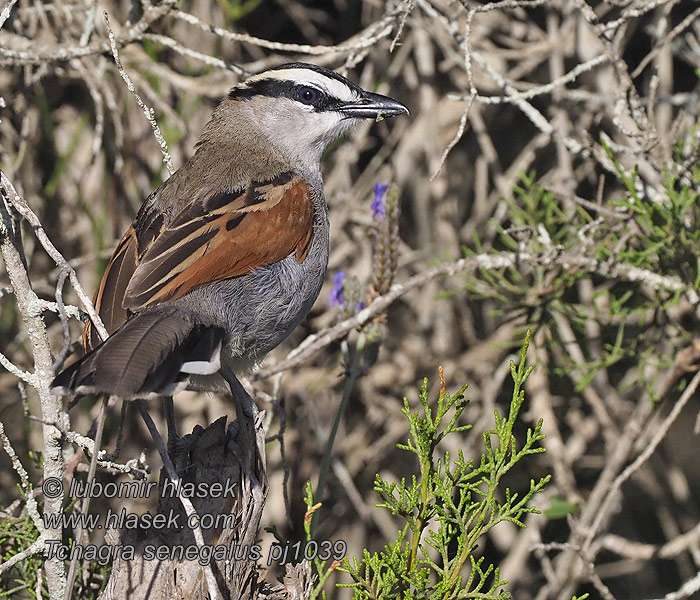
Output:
x=225 y=235
x=112 y=288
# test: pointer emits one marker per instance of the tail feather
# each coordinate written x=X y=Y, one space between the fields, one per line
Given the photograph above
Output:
x=152 y=353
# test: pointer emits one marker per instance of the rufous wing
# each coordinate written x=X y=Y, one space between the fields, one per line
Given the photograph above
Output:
x=225 y=235
x=109 y=294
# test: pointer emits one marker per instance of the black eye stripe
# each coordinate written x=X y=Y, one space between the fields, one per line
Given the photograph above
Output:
x=277 y=88
x=274 y=88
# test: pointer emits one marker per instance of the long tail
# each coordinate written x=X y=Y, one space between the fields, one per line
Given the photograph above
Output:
x=153 y=353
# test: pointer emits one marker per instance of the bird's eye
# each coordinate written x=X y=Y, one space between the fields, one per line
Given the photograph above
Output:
x=308 y=95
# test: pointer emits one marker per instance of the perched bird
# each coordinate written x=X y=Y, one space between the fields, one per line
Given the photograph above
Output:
x=227 y=256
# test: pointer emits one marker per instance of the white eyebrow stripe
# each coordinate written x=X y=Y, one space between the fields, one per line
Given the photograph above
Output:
x=333 y=87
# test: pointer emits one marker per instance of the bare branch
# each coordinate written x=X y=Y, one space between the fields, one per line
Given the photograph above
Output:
x=147 y=110
x=23 y=209
x=571 y=261
x=28 y=306
x=6 y=10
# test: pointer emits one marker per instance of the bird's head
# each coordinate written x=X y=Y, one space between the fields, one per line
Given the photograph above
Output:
x=300 y=109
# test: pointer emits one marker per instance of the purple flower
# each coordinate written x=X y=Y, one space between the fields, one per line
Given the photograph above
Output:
x=335 y=296
x=378 y=208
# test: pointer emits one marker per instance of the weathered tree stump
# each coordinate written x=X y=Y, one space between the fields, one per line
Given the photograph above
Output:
x=209 y=460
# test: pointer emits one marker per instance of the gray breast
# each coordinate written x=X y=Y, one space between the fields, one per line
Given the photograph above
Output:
x=260 y=310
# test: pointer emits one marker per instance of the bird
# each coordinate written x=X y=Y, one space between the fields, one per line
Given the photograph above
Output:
x=228 y=255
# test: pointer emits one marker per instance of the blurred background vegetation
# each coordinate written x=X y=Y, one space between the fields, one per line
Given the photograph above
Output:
x=551 y=145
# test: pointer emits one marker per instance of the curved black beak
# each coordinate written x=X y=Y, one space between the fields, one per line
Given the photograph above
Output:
x=373 y=106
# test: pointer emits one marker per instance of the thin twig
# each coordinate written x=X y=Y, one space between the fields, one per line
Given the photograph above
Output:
x=6 y=10
x=649 y=449
x=25 y=376
x=147 y=110
x=353 y=373
x=364 y=39
x=23 y=209
x=32 y=507
x=68 y=51
x=36 y=547
x=85 y=506
x=572 y=261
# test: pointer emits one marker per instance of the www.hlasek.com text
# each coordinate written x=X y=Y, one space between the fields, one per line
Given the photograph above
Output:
x=123 y=519
x=280 y=554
